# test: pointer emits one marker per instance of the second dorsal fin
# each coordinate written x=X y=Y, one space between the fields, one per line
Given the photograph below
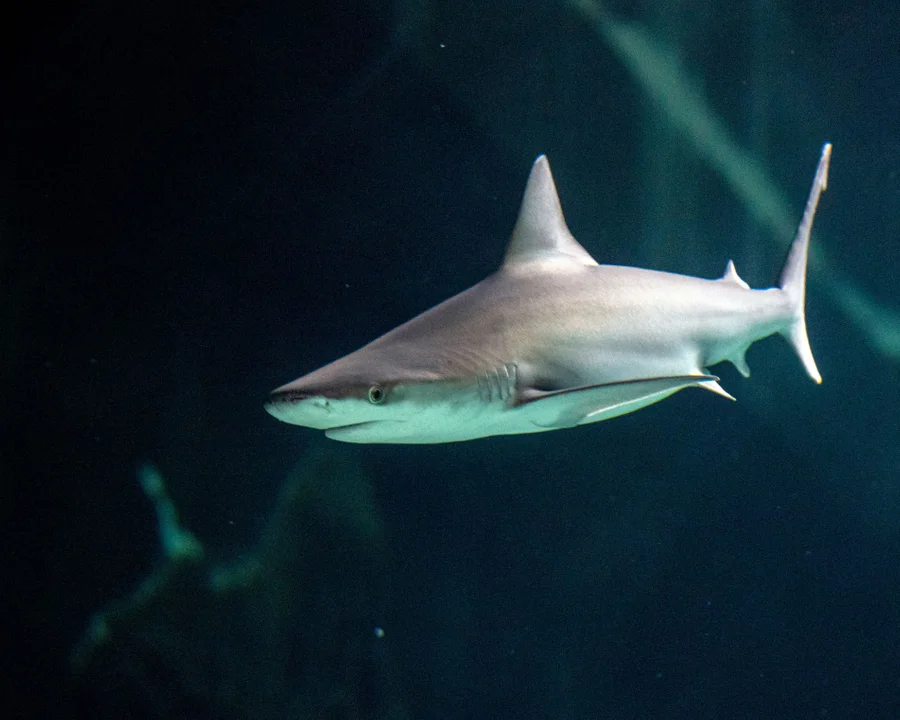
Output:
x=731 y=276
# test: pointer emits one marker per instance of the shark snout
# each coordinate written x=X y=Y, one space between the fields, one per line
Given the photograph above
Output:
x=299 y=408
x=280 y=396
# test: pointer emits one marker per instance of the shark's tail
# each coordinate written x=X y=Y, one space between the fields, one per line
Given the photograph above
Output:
x=793 y=276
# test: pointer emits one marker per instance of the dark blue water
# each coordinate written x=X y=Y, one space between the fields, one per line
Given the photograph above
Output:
x=204 y=202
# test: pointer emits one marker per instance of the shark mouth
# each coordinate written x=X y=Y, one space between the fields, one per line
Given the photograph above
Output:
x=351 y=426
x=347 y=432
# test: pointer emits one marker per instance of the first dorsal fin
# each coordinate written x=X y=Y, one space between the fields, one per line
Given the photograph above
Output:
x=541 y=233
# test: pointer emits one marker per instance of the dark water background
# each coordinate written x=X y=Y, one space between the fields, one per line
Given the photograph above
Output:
x=203 y=201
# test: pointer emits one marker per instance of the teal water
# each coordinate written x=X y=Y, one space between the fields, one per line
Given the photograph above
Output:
x=203 y=203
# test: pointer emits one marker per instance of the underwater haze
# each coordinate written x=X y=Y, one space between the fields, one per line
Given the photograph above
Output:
x=202 y=202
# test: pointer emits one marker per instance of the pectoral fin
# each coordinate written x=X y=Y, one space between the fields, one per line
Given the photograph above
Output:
x=593 y=403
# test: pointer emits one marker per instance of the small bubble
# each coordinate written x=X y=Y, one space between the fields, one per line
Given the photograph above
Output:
x=379 y=633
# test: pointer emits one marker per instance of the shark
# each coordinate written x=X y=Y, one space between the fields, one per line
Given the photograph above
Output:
x=552 y=340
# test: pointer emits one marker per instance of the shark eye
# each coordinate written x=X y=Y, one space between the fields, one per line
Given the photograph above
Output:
x=377 y=394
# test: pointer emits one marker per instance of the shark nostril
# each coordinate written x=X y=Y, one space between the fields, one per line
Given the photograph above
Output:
x=282 y=397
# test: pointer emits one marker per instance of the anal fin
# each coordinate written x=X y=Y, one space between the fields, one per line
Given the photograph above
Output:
x=740 y=362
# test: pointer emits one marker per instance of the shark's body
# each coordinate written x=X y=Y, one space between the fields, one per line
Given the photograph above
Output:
x=551 y=340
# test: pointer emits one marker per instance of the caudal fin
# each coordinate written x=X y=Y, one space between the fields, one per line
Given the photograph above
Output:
x=793 y=276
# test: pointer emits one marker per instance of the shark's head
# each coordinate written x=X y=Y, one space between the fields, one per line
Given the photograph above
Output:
x=372 y=397
x=323 y=405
